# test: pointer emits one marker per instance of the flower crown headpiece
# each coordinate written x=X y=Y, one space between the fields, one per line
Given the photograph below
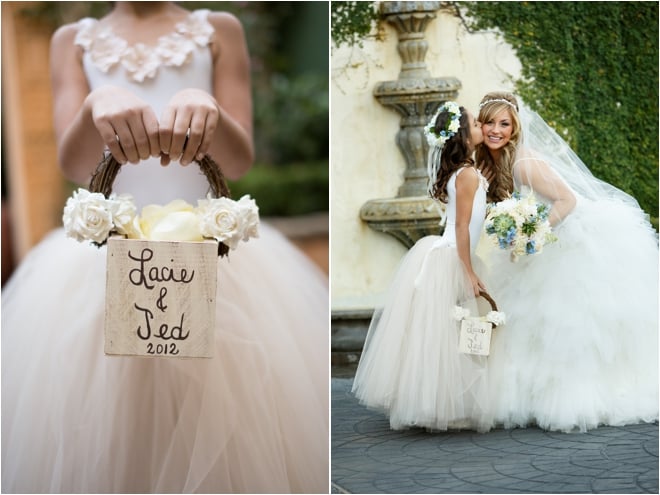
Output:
x=451 y=128
x=497 y=100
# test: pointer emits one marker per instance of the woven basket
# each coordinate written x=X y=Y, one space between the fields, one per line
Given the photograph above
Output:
x=160 y=295
x=475 y=333
x=104 y=177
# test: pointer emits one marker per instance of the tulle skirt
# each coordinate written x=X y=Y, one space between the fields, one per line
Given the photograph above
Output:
x=580 y=347
x=254 y=418
x=411 y=367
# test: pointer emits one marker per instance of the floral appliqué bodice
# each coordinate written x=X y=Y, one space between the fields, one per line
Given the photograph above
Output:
x=154 y=73
x=141 y=61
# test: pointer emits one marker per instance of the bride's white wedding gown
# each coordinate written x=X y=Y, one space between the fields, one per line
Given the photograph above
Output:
x=580 y=346
x=254 y=418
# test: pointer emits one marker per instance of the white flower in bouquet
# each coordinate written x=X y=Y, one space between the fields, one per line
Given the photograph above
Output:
x=87 y=216
x=519 y=224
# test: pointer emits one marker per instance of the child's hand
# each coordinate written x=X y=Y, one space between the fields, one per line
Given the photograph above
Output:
x=477 y=284
x=127 y=124
x=187 y=126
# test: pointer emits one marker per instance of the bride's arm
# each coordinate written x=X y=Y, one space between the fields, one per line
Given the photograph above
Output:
x=86 y=122
x=467 y=183
x=540 y=177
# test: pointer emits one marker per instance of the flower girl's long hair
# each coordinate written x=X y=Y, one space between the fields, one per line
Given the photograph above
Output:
x=455 y=153
x=501 y=185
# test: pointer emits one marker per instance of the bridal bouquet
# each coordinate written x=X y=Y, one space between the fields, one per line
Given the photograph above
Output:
x=92 y=216
x=519 y=224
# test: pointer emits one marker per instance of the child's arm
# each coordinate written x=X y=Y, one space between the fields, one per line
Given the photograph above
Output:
x=220 y=124
x=85 y=122
x=467 y=182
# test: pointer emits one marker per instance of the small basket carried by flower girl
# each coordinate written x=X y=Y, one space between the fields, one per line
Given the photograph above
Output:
x=519 y=224
x=476 y=331
x=161 y=273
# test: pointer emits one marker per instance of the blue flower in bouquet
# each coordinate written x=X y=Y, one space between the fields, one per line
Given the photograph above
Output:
x=519 y=224
x=531 y=247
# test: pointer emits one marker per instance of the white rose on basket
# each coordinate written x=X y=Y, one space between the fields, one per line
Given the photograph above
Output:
x=250 y=217
x=87 y=216
x=229 y=221
x=93 y=217
x=124 y=215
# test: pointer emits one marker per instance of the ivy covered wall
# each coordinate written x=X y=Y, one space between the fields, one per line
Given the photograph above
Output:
x=591 y=70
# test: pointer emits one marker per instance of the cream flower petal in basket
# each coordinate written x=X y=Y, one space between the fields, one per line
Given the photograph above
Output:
x=177 y=226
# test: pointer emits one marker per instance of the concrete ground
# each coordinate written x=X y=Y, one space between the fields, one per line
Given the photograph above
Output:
x=368 y=457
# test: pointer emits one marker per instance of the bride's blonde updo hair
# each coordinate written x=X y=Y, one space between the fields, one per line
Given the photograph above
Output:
x=501 y=186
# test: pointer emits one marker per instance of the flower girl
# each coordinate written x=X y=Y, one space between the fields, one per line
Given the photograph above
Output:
x=411 y=367
x=156 y=85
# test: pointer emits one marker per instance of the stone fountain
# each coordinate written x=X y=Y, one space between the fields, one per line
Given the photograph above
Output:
x=416 y=96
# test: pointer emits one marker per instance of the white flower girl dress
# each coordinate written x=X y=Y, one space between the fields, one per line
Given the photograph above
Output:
x=254 y=418
x=411 y=367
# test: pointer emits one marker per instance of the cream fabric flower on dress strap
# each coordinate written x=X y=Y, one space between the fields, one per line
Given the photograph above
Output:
x=141 y=61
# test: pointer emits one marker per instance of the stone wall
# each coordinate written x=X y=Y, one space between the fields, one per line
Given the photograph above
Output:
x=365 y=161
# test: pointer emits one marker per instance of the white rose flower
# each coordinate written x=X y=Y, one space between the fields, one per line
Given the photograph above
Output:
x=221 y=219
x=496 y=317
x=461 y=313
x=87 y=216
x=249 y=212
x=123 y=214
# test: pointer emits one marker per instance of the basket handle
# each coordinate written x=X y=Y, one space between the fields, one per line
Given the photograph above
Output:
x=108 y=168
x=491 y=301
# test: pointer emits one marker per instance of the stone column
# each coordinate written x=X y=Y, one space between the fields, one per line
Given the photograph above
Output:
x=415 y=95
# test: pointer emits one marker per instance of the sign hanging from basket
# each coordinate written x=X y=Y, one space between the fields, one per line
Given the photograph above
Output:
x=476 y=331
x=161 y=272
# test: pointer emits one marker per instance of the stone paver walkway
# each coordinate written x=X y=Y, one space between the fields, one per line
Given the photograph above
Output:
x=368 y=457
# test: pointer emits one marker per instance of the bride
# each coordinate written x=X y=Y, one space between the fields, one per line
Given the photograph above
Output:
x=580 y=347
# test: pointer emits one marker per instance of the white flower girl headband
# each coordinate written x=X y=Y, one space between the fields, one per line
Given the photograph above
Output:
x=451 y=128
x=437 y=141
